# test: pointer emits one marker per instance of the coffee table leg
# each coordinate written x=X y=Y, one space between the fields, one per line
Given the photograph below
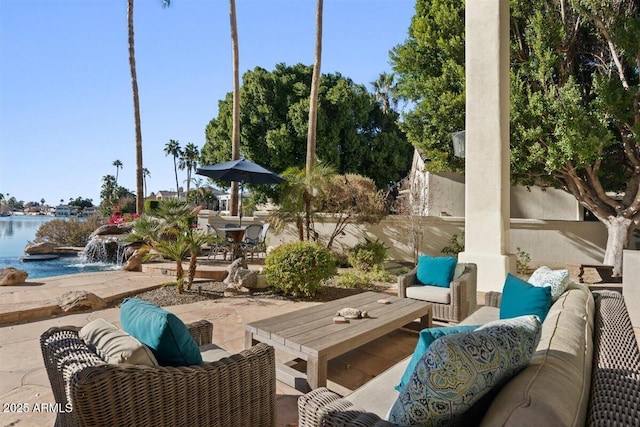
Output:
x=248 y=340
x=317 y=372
x=426 y=321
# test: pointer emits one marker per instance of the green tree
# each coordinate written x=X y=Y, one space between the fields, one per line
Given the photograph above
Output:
x=189 y=161
x=114 y=197
x=575 y=95
x=145 y=174
x=118 y=166
x=353 y=135
x=172 y=148
x=385 y=90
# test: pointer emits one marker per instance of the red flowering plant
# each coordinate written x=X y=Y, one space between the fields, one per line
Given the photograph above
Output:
x=117 y=218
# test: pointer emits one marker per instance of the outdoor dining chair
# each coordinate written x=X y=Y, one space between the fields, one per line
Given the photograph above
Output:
x=252 y=238
x=220 y=245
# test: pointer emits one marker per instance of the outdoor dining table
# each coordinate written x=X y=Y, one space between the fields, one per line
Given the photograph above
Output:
x=237 y=236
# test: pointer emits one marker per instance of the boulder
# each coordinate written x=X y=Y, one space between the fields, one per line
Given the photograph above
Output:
x=41 y=248
x=12 y=276
x=239 y=278
x=112 y=229
x=80 y=300
x=134 y=262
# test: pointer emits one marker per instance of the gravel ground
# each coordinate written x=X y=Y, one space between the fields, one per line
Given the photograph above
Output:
x=206 y=290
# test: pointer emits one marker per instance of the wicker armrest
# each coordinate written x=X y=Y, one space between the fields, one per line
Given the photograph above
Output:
x=322 y=407
x=201 y=331
x=405 y=281
x=493 y=299
x=615 y=378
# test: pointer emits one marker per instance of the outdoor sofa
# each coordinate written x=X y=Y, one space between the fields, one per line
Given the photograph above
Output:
x=232 y=390
x=585 y=371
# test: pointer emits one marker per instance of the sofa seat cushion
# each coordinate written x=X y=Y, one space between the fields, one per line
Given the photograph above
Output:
x=481 y=316
x=435 y=294
x=377 y=396
x=554 y=388
x=459 y=369
x=114 y=345
x=163 y=332
x=213 y=353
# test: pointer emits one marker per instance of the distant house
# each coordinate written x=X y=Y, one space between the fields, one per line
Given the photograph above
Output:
x=66 y=210
x=91 y=210
x=165 y=194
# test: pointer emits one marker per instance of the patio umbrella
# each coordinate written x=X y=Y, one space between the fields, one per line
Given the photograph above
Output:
x=241 y=171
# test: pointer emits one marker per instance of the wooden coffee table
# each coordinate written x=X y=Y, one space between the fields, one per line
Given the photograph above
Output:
x=310 y=334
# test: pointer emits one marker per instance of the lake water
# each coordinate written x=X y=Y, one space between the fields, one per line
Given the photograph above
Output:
x=17 y=231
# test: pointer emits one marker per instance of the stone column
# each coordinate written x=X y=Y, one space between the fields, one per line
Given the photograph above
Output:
x=487 y=185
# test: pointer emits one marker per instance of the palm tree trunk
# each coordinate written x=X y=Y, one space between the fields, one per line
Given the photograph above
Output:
x=179 y=276
x=136 y=112
x=313 y=99
x=193 y=264
x=235 y=133
x=175 y=170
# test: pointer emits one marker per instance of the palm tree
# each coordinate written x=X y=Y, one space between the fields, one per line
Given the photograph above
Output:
x=136 y=111
x=313 y=98
x=189 y=161
x=118 y=165
x=172 y=148
x=235 y=133
x=386 y=92
x=145 y=174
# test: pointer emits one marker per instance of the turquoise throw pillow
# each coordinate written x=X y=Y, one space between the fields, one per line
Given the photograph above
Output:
x=458 y=370
x=427 y=336
x=520 y=298
x=435 y=271
x=161 y=331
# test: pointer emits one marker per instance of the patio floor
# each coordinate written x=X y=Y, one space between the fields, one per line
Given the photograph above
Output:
x=22 y=373
x=23 y=377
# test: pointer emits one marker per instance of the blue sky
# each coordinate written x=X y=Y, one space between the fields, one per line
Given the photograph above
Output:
x=66 y=109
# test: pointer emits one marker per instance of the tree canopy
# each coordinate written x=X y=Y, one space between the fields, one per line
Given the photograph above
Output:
x=353 y=134
x=575 y=94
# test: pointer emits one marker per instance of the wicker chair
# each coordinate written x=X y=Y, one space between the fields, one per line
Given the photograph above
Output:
x=236 y=391
x=461 y=294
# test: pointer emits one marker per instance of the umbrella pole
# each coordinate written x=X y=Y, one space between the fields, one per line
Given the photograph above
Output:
x=241 y=191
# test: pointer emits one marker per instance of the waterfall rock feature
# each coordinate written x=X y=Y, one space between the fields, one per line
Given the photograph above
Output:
x=104 y=248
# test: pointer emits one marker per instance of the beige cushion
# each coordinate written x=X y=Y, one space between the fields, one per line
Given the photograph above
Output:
x=212 y=353
x=379 y=394
x=554 y=389
x=428 y=293
x=116 y=346
x=481 y=316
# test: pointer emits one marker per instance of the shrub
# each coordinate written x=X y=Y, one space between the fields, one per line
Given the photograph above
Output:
x=151 y=206
x=363 y=280
x=457 y=245
x=365 y=256
x=299 y=268
x=68 y=233
x=522 y=261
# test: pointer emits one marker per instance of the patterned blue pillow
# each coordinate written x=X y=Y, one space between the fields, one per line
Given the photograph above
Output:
x=459 y=369
x=557 y=280
x=426 y=338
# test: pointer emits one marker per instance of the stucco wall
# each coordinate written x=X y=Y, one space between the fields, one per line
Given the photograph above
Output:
x=442 y=194
x=548 y=242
